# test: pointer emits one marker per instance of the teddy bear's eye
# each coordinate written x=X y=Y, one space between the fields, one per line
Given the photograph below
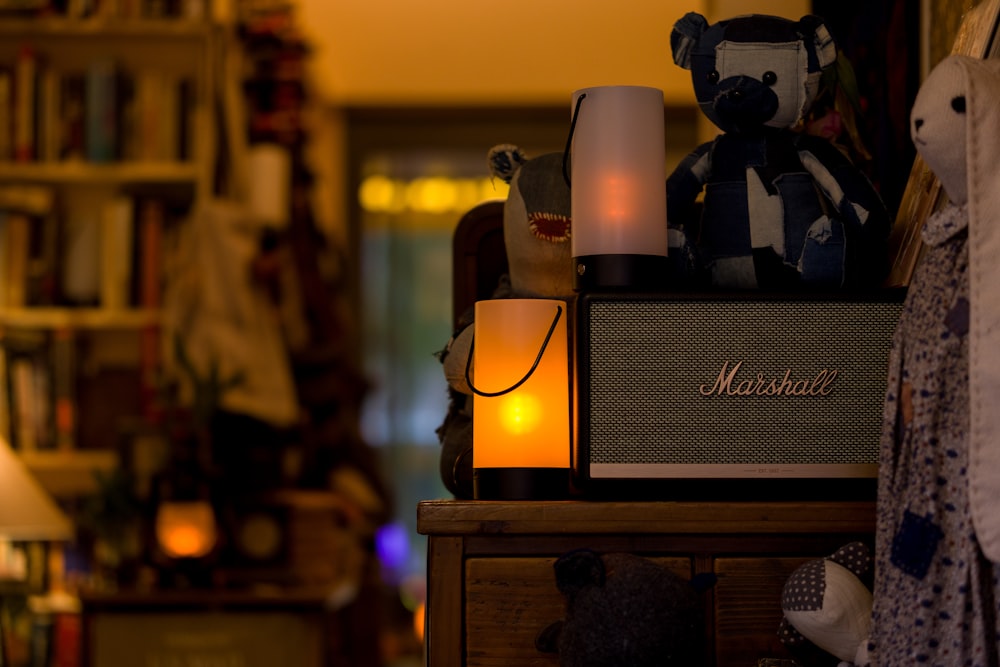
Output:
x=769 y=78
x=958 y=104
x=713 y=76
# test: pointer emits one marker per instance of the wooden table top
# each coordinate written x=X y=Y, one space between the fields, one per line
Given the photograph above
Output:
x=478 y=517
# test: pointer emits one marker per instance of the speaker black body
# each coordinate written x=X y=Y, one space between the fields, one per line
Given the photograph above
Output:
x=730 y=396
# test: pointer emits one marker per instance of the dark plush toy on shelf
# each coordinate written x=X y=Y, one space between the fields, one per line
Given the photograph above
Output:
x=623 y=609
x=782 y=208
x=827 y=606
x=536 y=228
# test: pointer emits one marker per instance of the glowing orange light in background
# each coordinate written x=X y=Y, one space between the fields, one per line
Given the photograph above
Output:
x=186 y=529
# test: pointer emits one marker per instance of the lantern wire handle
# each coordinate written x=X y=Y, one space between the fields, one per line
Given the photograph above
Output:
x=538 y=359
x=569 y=139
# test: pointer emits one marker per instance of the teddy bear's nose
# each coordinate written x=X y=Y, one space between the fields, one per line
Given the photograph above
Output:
x=735 y=95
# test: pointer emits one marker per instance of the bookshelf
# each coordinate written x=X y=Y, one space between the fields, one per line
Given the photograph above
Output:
x=106 y=122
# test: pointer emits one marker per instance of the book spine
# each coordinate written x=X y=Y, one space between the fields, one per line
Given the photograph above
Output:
x=18 y=248
x=147 y=114
x=152 y=218
x=72 y=123
x=170 y=126
x=22 y=391
x=49 y=106
x=67 y=632
x=116 y=253
x=42 y=280
x=5 y=420
x=101 y=115
x=26 y=83
x=6 y=113
x=64 y=388
x=4 y=259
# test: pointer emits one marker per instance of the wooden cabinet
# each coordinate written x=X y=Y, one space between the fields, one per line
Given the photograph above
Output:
x=211 y=628
x=111 y=135
x=491 y=588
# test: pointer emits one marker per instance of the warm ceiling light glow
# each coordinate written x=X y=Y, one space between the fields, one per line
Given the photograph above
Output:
x=466 y=194
x=491 y=188
x=431 y=195
x=378 y=193
x=437 y=195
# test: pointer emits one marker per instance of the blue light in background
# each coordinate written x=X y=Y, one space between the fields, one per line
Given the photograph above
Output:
x=392 y=545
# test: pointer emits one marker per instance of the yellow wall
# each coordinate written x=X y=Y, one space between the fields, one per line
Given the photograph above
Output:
x=482 y=52
x=516 y=52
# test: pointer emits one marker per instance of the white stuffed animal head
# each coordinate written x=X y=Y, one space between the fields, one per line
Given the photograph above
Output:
x=938 y=126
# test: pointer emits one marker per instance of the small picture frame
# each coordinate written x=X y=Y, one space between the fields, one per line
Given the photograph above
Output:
x=977 y=37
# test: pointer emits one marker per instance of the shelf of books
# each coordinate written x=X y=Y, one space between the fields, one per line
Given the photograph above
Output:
x=106 y=139
x=80 y=290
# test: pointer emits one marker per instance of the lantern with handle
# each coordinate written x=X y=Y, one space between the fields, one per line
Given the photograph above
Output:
x=521 y=404
x=618 y=185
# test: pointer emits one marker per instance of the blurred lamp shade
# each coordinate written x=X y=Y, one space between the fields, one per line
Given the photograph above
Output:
x=27 y=512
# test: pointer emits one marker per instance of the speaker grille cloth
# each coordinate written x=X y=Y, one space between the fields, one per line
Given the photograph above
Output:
x=651 y=360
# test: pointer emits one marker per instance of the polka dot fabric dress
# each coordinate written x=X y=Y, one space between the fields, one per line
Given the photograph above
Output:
x=935 y=594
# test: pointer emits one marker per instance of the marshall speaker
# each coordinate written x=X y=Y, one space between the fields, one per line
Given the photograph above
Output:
x=731 y=395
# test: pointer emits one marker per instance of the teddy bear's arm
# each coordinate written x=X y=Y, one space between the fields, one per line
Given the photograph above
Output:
x=858 y=205
x=846 y=186
x=684 y=185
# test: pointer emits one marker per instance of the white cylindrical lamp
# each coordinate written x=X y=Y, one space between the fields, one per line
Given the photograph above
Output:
x=618 y=188
x=521 y=406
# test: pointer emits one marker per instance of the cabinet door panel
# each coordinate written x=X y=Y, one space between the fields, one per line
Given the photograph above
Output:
x=748 y=608
x=508 y=601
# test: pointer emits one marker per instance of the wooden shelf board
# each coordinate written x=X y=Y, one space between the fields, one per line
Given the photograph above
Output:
x=78 y=318
x=112 y=173
x=104 y=28
x=69 y=473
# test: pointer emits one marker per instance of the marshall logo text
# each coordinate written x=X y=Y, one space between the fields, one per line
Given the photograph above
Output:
x=727 y=384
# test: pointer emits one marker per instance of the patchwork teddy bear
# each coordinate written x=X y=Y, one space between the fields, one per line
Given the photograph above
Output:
x=782 y=209
x=536 y=229
x=937 y=549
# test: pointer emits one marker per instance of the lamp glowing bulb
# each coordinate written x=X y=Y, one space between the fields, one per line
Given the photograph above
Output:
x=521 y=413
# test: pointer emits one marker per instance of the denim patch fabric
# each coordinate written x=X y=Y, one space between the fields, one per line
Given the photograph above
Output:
x=957 y=319
x=725 y=232
x=823 y=253
x=914 y=544
x=801 y=210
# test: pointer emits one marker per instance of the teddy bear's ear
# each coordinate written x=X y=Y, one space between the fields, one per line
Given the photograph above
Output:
x=826 y=50
x=547 y=640
x=685 y=35
x=577 y=570
x=505 y=160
